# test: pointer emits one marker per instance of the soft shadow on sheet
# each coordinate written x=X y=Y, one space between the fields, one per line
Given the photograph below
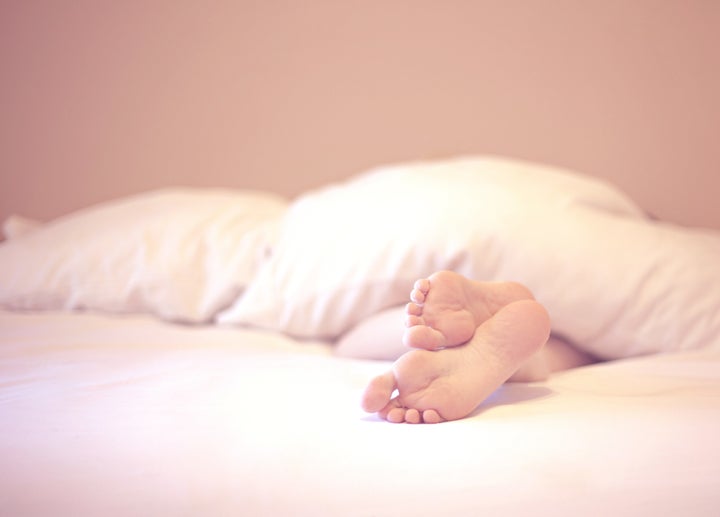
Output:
x=513 y=393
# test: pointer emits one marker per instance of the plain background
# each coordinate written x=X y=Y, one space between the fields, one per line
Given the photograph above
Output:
x=102 y=98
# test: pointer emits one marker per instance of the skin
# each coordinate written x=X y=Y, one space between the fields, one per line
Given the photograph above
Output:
x=468 y=338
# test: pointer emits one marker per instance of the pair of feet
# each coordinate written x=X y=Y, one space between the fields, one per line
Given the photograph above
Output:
x=468 y=338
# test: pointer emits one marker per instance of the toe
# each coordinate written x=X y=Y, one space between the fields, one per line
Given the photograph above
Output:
x=430 y=416
x=396 y=415
x=422 y=285
x=417 y=296
x=413 y=321
x=421 y=336
x=412 y=416
x=378 y=392
x=413 y=309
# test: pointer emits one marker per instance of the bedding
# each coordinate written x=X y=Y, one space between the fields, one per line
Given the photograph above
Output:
x=203 y=351
x=130 y=415
x=348 y=251
x=320 y=265
x=179 y=253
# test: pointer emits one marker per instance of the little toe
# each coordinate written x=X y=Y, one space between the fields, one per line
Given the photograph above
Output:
x=430 y=416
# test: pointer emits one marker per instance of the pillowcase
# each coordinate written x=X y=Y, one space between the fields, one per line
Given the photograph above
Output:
x=182 y=254
x=349 y=250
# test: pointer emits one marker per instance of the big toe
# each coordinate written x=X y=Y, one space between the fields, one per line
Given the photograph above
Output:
x=378 y=393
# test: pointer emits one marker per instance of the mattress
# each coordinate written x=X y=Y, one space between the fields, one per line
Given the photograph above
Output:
x=131 y=415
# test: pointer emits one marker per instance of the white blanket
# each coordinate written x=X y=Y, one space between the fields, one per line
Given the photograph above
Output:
x=127 y=415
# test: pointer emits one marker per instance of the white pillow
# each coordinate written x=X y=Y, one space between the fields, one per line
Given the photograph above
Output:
x=615 y=283
x=17 y=225
x=620 y=287
x=182 y=254
x=378 y=337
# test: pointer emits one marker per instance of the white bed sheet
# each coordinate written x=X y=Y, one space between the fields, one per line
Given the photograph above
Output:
x=105 y=415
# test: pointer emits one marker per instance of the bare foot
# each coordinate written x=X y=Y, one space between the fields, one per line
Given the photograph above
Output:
x=449 y=384
x=446 y=308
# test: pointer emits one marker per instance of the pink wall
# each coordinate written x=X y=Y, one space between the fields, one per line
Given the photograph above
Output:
x=103 y=98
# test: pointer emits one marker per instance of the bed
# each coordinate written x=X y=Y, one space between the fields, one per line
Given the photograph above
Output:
x=203 y=352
